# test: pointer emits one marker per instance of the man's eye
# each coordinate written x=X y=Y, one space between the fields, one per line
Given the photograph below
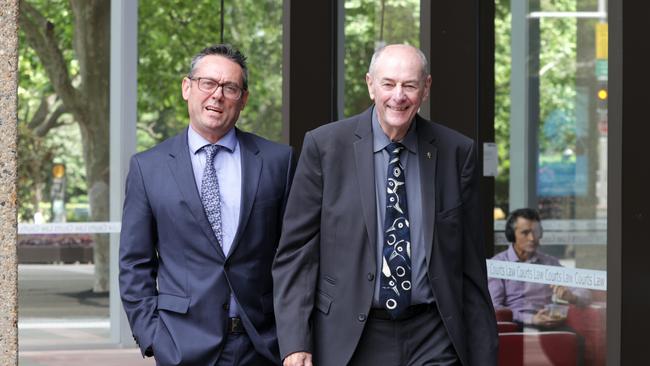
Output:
x=387 y=86
x=410 y=88
x=230 y=88
x=209 y=84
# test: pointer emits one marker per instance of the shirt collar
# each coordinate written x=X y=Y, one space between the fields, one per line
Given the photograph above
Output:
x=513 y=257
x=196 y=141
x=380 y=140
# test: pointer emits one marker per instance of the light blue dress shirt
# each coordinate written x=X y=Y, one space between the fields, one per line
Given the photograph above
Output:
x=227 y=163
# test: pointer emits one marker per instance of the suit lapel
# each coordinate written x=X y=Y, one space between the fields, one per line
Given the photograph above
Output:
x=427 y=157
x=251 y=166
x=180 y=166
x=363 y=155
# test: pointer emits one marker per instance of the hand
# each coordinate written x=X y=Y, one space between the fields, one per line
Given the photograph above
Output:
x=563 y=293
x=298 y=359
x=544 y=319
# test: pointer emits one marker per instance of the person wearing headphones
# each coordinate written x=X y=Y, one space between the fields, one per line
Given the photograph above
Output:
x=527 y=300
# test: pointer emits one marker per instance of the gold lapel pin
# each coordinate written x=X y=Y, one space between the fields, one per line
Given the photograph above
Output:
x=428 y=155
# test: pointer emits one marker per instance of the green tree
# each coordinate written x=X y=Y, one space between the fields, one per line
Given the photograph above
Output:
x=369 y=24
x=71 y=40
x=557 y=89
x=172 y=31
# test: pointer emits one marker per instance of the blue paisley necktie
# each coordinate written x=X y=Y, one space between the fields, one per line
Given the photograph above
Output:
x=395 y=291
x=210 y=191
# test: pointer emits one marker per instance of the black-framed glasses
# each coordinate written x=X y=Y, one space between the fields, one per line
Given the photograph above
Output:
x=229 y=90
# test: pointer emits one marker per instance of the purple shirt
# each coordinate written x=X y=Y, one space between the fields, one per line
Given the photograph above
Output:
x=525 y=299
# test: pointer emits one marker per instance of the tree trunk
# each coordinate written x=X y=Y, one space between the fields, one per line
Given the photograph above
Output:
x=87 y=102
x=92 y=47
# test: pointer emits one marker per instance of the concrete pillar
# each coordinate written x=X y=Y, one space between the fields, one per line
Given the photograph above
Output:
x=8 y=120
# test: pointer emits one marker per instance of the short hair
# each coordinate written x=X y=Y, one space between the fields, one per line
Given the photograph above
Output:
x=380 y=50
x=224 y=50
x=526 y=213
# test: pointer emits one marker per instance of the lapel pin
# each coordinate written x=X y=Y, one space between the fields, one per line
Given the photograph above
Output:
x=428 y=155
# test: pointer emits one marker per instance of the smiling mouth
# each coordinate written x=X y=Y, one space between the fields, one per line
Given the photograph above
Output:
x=213 y=109
x=398 y=109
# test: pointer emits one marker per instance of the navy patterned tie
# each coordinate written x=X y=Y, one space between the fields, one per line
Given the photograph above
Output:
x=395 y=289
x=210 y=191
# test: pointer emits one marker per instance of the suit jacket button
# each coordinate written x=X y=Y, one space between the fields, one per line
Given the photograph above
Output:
x=362 y=317
x=226 y=306
x=371 y=276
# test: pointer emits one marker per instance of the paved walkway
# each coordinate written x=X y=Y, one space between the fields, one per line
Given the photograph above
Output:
x=63 y=323
x=102 y=357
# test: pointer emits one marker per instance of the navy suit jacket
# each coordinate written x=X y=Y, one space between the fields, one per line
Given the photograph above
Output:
x=325 y=266
x=175 y=281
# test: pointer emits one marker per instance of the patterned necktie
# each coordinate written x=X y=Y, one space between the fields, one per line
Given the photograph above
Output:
x=395 y=289
x=210 y=191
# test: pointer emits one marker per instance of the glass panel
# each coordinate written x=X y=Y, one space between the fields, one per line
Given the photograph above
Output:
x=551 y=129
x=370 y=24
x=177 y=32
x=63 y=178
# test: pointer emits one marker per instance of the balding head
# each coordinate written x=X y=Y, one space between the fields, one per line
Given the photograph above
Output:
x=401 y=48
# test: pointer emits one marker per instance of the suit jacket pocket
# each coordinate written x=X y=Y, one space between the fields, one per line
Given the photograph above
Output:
x=323 y=302
x=442 y=215
x=177 y=304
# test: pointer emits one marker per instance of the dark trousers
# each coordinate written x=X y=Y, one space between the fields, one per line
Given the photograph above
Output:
x=239 y=351
x=417 y=341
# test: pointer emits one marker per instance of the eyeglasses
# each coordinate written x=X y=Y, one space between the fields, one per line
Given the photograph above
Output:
x=229 y=90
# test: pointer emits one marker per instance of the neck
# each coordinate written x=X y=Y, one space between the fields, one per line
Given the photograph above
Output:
x=212 y=136
x=522 y=255
x=394 y=134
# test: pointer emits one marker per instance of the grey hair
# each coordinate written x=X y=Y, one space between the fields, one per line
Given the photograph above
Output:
x=380 y=50
x=226 y=51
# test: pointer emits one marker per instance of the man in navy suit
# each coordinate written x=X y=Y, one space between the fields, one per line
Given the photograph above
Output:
x=202 y=220
x=381 y=260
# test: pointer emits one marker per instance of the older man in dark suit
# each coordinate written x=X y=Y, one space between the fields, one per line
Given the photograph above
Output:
x=201 y=224
x=381 y=261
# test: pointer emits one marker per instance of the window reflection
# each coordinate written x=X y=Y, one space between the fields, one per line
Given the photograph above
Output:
x=551 y=130
x=370 y=24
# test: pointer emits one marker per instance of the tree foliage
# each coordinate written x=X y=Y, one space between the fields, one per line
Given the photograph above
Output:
x=364 y=33
x=71 y=42
x=557 y=90
x=172 y=31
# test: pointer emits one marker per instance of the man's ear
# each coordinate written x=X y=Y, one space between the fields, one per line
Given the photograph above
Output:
x=369 y=82
x=427 y=87
x=185 y=87
x=244 y=100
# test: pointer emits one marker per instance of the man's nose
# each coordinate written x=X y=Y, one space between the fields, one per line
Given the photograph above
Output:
x=399 y=93
x=217 y=93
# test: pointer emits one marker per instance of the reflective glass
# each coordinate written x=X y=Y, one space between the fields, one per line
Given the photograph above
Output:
x=370 y=24
x=551 y=131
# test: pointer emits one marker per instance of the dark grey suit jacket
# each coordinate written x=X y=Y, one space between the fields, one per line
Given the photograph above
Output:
x=325 y=267
x=175 y=280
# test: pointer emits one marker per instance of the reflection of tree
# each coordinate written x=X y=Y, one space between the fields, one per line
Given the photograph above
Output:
x=35 y=155
x=367 y=24
x=558 y=63
x=176 y=30
x=84 y=94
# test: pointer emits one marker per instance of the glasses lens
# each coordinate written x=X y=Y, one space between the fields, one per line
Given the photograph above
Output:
x=229 y=91
x=207 y=85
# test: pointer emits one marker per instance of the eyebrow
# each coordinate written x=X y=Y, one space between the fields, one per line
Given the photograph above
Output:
x=403 y=82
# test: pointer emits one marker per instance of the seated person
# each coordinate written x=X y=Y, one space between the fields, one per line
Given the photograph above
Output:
x=527 y=299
